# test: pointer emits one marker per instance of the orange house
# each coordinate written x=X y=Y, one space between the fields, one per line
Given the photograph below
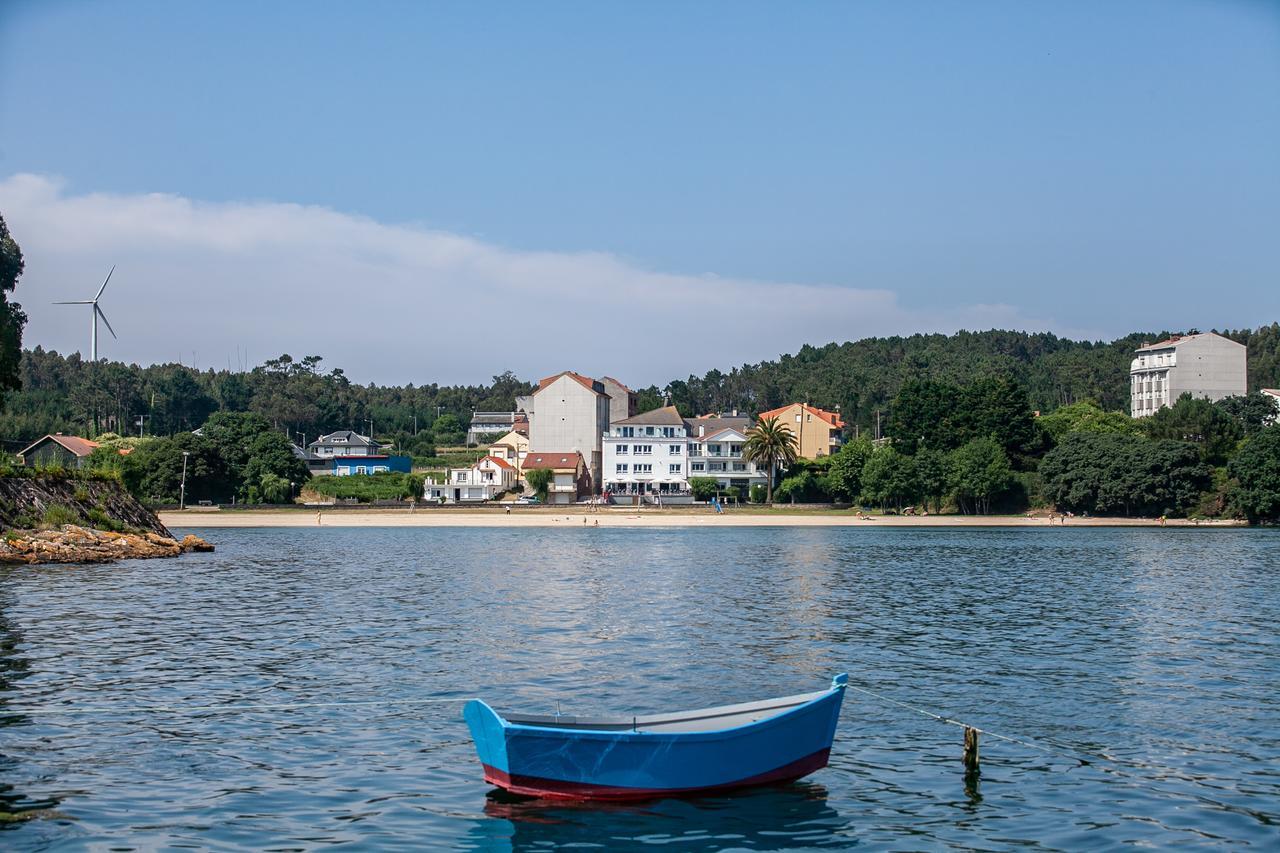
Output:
x=817 y=432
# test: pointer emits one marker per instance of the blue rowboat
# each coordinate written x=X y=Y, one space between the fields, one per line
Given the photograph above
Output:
x=636 y=758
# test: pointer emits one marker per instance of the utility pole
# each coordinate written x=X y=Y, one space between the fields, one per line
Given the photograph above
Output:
x=182 y=501
x=877 y=424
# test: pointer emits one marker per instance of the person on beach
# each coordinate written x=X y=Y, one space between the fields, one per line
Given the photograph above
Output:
x=317 y=518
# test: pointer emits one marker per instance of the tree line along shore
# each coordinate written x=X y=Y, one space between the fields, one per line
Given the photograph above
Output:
x=970 y=423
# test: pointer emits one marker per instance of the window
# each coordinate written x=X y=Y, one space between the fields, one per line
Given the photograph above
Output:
x=627 y=432
x=360 y=469
x=644 y=469
x=673 y=449
x=735 y=450
x=622 y=449
x=695 y=450
x=673 y=468
x=621 y=468
x=698 y=466
x=738 y=466
x=797 y=417
x=669 y=432
x=648 y=430
x=713 y=450
x=644 y=449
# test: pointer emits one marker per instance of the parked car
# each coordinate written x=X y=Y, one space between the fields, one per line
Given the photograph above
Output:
x=528 y=499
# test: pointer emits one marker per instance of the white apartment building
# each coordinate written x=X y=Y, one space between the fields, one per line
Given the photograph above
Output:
x=716 y=451
x=1203 y=365
x=646 y=458
x=570 y=413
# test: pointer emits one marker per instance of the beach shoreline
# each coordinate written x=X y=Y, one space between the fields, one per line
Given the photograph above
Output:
x=630 y=518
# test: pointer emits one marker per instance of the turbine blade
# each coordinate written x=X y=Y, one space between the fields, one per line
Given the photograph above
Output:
x=104 y=283
x=81 y=302
x=104 y=319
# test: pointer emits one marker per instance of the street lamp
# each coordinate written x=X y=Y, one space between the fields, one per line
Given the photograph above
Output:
x=182 y=501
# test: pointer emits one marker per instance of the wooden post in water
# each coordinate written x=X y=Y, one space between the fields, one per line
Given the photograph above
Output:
x=971 y=768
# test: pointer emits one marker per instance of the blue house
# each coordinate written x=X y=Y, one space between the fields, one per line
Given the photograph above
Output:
x=345 y=465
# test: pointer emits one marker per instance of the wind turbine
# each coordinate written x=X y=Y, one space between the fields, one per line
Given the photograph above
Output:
x=97 y=312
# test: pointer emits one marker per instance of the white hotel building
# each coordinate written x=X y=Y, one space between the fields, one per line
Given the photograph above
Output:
x=1202 y=365
x=646 y=457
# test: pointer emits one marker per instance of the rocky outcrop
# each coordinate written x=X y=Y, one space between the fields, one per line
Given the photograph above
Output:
x=75 y=544
x=25 y=501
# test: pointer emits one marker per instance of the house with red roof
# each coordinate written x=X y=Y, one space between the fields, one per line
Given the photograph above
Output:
x=570 y=479
x=817 y=431
x=483 y=481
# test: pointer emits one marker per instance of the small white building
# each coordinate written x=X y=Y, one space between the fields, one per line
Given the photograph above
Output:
x=1203 y=365
x=646 y=458
x=483 y=481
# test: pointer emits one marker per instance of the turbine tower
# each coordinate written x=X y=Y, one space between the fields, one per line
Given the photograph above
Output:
x=96 y=313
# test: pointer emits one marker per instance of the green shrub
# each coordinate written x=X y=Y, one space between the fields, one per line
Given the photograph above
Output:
x=366 y=488
x=703 y=488
x=56 y=515
x=758 y=493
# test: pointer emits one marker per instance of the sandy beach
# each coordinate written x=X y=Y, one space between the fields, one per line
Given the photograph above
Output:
x=578 y=517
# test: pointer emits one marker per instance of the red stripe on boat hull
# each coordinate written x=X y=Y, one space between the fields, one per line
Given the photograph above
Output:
x=532 y=786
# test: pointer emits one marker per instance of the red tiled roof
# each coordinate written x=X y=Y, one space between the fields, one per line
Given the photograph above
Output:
x=501 y=462
x=552 y=460
x=830 y=417
x=77 y=445
x=585 y=381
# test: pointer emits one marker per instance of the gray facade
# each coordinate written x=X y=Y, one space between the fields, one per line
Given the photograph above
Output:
x=1206 y=366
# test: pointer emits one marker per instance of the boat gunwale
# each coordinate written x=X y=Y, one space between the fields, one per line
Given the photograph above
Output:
x=781 y=718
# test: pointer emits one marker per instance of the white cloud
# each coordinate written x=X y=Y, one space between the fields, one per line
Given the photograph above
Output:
x=398 y=303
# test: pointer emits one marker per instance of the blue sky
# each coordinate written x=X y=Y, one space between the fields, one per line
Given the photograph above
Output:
x=1092 y=168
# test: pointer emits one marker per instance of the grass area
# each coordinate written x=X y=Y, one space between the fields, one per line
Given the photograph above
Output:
x=366 y=488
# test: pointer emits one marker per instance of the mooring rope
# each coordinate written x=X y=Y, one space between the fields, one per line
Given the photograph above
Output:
x=217 y=709
x=1055 y=748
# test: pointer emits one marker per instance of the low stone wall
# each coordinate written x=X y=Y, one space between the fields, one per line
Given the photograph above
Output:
x=74 y=544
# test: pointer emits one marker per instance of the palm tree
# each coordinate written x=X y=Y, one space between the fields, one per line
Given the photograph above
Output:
x=770 y=444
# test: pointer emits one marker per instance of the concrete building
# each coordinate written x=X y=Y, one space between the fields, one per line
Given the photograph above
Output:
x=570 y=478
x=646 y=458
x=818 y=432
x=67 y=451
x=622 y=400
x=1202 y=365
x=570 y=413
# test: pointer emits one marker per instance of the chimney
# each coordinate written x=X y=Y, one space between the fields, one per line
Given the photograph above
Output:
x=702 y=430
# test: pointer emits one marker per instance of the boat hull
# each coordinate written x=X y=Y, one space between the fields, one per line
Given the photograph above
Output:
x=579 y=764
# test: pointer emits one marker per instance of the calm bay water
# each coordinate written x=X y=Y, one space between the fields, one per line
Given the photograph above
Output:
x=1159 y=648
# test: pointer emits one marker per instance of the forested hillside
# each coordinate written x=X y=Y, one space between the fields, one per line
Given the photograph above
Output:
x=300 y=396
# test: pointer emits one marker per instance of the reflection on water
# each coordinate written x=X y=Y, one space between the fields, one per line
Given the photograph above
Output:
x=772 y=818
x=1158 y=647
